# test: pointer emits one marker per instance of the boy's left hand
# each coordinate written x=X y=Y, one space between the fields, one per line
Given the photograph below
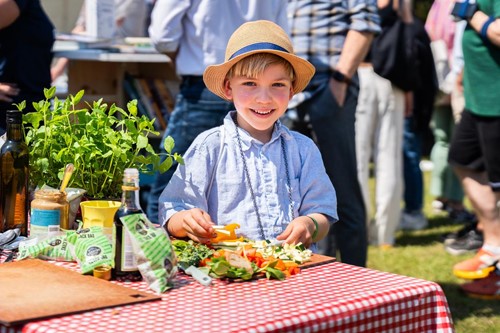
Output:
x=299 y=230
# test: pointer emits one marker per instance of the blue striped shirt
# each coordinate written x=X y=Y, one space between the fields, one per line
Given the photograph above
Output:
x=213 y=179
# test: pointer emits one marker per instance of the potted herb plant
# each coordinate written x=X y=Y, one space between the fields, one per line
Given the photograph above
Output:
x=101 y=143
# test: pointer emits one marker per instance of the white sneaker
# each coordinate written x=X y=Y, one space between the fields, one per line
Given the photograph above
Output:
x=413 y=221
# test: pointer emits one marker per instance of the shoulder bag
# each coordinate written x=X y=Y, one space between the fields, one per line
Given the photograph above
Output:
x=394 y=54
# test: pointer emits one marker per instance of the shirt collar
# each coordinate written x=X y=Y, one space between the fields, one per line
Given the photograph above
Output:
x=247 y=140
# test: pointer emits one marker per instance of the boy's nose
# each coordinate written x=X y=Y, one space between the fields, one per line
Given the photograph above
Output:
x=263 y=95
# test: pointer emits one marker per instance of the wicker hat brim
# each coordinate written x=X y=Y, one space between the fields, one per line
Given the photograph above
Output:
x=215 y=75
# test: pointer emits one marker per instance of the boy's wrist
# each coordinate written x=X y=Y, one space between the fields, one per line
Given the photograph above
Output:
x=316 y=227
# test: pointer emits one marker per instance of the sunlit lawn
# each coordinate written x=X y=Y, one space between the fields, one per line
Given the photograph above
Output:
x=420 y=254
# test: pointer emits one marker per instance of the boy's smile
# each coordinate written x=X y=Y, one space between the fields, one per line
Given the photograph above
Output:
x=260 y=101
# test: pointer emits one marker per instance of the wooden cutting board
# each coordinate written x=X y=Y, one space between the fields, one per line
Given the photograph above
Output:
x=317 y=259
x=34 y=289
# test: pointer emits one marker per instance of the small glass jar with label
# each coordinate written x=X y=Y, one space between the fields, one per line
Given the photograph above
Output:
x=49 y=213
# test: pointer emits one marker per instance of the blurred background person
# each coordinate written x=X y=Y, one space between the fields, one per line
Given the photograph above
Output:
x=150 y=4
x=416 y=124
x=335 y=37
x=379 y=135
x=194 y=34
x=26 y=40
x=474 y=146
x=446 y=35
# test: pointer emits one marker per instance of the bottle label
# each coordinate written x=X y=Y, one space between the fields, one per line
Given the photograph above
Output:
x=129 y=262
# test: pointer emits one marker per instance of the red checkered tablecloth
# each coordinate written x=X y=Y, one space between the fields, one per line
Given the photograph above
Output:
x=333 y=297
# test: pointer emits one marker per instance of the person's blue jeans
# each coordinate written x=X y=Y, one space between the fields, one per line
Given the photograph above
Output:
x=333 y=127
x=196 y=110
x=412 y=153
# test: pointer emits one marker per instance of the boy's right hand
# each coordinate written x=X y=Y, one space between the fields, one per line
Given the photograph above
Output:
x=198 y=225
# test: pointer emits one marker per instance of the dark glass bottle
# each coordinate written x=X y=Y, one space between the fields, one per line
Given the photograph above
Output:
x=14 y=173
x=125 y=261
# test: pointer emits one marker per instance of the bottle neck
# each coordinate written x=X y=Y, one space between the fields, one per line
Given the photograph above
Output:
x=14 y=132
x=130 y=196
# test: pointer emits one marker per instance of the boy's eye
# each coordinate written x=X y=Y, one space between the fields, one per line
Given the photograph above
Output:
x=279 y=84
x=248 y=83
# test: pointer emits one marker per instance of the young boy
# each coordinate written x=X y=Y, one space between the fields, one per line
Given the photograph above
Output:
x=252 y=170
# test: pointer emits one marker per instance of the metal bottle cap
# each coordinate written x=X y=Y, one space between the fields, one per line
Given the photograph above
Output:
x=14 y=116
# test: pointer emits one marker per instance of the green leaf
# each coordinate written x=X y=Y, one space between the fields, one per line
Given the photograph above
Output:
x=169 y=144
x=274 y=273
x=132 y=107
x=49 y=93
x=219 y=268
x=178 y=158
x=167 y=164
x=32 y=118
x=142 y=142
x=20 y=106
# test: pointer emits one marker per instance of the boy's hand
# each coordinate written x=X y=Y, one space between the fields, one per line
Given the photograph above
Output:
x=198 y=225
x=299 y=230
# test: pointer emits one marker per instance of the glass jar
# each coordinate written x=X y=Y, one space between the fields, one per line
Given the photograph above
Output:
x=49 y=212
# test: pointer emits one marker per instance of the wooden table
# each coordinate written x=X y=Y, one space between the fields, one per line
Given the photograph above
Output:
x=333 y=297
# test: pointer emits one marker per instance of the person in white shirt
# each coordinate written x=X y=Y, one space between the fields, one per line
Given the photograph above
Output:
x=194 y=34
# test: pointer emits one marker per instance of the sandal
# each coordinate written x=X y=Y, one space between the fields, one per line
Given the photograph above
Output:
x=487 y=288
x=477 y=267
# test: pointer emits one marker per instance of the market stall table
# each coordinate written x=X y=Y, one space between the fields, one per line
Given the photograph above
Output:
x=325 y=298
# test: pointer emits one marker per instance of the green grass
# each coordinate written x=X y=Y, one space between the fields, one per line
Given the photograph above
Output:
x=420 y=254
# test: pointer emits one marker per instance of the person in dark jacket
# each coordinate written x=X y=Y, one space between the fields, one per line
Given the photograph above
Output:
x=26 y=40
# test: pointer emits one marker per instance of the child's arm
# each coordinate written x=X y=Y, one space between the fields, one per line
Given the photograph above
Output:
x=303 y=228
x=193 y=223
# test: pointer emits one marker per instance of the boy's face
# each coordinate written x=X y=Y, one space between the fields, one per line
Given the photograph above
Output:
x=260 y=101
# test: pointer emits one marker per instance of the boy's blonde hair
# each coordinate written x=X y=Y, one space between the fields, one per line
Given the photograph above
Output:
x=255 y=64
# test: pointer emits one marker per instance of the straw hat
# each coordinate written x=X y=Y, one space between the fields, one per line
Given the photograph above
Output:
x=258 y=37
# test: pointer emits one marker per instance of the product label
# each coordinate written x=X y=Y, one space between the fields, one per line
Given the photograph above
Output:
x=129 y=263
x=45 y=218
x=44 y=222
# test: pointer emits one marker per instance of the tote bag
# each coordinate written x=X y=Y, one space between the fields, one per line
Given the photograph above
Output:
x=394 y=55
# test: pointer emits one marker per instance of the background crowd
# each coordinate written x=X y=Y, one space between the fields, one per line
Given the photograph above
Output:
x=362 y=120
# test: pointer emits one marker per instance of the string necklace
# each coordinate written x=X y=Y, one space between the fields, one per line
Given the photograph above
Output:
x=247 y=176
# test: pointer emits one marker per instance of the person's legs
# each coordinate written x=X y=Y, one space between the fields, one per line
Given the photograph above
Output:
x=474 y=155
x=334 y=129
x=445 y=185
x=366 y=119
x=412 y=217
x=412 y=152
x=388 y=161
x=486 y=205
x=196 y=110
x=485 y=202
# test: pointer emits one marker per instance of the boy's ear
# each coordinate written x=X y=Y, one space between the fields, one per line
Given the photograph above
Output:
x=227 y=89
x=291 y=93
